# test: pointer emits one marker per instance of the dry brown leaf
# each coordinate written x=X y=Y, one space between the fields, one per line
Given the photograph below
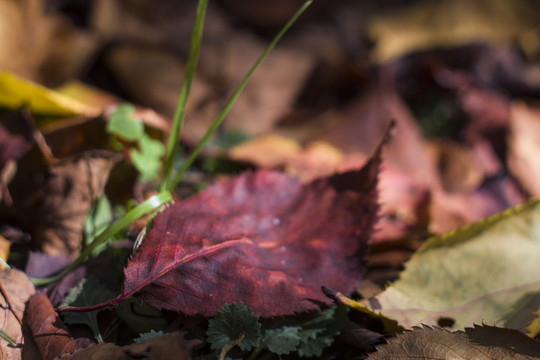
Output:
x=446 y=23
x=359 y=126
x=271 y=91
x=268 y=151
x=449 y=211
x=69 y=193
x=51 y=203
x=524 y=146
x=48 y=331
x=479 y=343
x=41 y=46
x=316 y=160
x=404 y=205
x=19 y=289
x=263 y=14
x=153 y=77
x=458 y=169
x=16 y=138
x=166 y=23
x=169 y=346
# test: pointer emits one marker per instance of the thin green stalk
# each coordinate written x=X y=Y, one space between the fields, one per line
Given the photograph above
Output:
x=234 y=96
x=143 y=208
x=179 y=114
x=8 y=338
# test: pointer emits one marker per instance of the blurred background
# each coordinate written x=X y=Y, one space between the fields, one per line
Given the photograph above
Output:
x=461 y=79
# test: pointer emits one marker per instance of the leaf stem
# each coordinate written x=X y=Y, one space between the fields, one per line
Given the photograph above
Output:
x=180 y=112
x=234 y=96
x=9 y=304
x=255 y=353
x=230 y=345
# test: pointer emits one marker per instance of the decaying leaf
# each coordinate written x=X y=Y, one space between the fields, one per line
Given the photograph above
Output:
x=165 y=347
x=446 y=23
x=268 y=151
x=17 y=92
x=478 y=273
x=56 y=220
x=404 y=203
x=16 y=138
x=533 y=329
x=261 y=238
x=48 y=331
x=18 y=288
x=479 y=343
x=524 y=146
x=40 y=44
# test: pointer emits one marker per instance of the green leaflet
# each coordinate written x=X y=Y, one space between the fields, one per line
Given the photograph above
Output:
x=283 y=340
x=319 y=332
x=485 y=272
x=88 y=292
x=147 y=336
x=147 y=159
x=146 y=156
x=308 y=337
x=230 y=323
x=123 y=125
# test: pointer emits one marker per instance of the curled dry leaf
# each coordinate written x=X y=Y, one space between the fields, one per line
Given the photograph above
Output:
x=55 y=215
x=18 y=289
x=48 y=331
x=480 y=343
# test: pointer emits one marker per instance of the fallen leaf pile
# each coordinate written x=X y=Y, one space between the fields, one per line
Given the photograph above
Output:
x=371 y=193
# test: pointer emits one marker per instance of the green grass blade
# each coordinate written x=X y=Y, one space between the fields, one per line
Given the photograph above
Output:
x=143 y=208
x=179 y=114
x=6 y=337
x=3 y=262
x=234 y=96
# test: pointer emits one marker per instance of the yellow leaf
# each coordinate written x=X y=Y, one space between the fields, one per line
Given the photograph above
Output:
x=16 y=93
x=431 y=24
x=534 y=327
x=4 y=251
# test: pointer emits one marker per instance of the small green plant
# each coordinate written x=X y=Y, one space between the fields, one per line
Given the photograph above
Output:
x=236 y=327
x=145 y=152
x=87 y=292
x=147 y=336
x=98 y=218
